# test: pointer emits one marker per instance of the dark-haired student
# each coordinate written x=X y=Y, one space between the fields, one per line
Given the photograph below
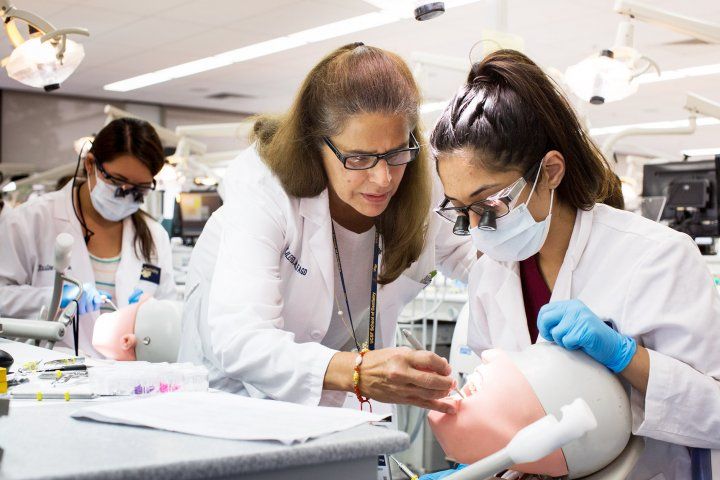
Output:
x=119 y=250
x=562 y=264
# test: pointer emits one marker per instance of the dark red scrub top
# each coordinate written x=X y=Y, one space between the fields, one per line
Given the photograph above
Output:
x=535 y=293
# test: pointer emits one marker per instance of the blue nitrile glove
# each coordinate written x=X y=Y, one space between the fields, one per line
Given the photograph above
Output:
x=571 y=324
x=90 y=300
x=69 y=291
x=135 y=296
x=442 y=474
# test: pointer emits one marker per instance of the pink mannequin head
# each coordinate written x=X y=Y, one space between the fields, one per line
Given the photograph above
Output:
x=114 y=332
x=510 y=390
x=500 y=402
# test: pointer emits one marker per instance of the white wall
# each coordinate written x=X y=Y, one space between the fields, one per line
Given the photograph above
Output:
x=40 y=128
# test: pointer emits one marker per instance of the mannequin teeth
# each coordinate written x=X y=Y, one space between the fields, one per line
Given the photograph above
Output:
x=474 y=382
x=473 y=389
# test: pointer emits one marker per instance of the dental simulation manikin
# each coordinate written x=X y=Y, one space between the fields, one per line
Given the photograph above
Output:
x=148 y=330
x=511 y=390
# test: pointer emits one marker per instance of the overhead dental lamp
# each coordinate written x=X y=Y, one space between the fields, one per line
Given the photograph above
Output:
x=611 y=74
x=44 y=59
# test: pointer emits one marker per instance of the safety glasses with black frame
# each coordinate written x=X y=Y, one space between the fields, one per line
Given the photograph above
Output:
x=489 y=209
x=366 y=161
x=123 y=187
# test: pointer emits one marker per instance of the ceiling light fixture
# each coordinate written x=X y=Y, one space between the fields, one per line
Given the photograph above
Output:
x=46 y=58
x=430 y=107
x=689 y=72
x=701 y=122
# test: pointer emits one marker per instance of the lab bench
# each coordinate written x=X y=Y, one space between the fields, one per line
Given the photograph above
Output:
x=42 y=441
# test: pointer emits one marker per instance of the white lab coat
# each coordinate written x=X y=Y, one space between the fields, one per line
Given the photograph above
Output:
x=654 y=285
x=255 y=317
x=5 y=209
x=27 y=237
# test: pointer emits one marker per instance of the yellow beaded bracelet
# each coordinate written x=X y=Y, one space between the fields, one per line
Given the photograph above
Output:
x=356 y=380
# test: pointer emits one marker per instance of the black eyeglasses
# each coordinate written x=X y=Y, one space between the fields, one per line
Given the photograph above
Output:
x=367 y=161
x=124 y=187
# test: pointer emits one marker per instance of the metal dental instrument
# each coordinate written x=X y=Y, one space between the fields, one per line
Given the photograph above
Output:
x=418 y=346
x=404 y=468
x=105 y=299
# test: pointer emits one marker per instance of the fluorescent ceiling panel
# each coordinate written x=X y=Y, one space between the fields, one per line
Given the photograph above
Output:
x=317 y=34
x=666 y=75
x=430 y=107
x=701 y=122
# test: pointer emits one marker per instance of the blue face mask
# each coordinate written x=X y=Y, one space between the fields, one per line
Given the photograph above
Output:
x=109 y=206
x=517 y=236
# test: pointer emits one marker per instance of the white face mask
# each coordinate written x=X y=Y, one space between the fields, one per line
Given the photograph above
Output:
x=517 y=236
x=109 y=206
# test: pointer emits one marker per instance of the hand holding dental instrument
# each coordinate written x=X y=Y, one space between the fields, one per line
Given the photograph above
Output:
x=418 y=346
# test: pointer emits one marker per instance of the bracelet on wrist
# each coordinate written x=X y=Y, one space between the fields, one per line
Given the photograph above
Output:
x=356 y=380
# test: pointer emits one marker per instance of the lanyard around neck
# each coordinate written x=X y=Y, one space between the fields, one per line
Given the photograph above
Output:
x=373 y=291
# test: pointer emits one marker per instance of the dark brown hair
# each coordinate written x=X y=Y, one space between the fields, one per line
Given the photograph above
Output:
x=512 y=114
x=130 y=136
x=351 y=80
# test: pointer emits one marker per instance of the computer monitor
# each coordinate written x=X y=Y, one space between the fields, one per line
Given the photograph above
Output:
x=690 y=188
x=192 y=211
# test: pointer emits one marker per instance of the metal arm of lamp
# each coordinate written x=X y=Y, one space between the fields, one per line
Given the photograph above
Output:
x=693 y=27
x=10 y=15
x=232 y=130
x=694 y=104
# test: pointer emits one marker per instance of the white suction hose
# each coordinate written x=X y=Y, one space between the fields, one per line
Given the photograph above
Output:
x=536 y=441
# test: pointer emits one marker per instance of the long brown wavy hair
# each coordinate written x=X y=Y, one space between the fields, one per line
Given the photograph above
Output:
x=352 y=80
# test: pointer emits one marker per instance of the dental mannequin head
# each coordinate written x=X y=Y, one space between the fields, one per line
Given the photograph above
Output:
x=506 y=121
x=511 y=390
x=361 y=100
x=148 y=330
x=114 y=332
